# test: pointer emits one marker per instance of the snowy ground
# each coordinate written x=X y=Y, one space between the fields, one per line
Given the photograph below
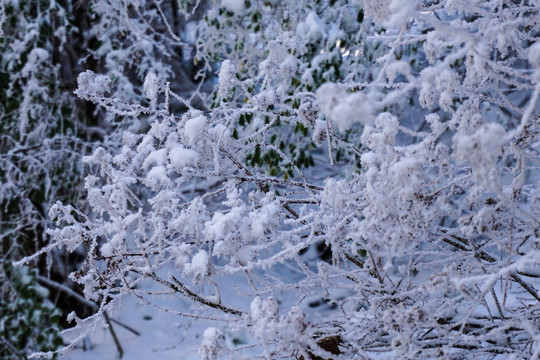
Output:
x=166 y=335
x=162 y=335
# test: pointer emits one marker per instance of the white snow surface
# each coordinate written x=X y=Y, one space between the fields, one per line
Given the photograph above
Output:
x=162 y=325
x=236 y=6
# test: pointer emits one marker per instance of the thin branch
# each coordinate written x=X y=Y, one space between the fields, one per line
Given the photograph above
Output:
x=526 y=286
x=68 y=291
x=11 y=348
x=83 y=300
x=113 y=333
x=183 y=289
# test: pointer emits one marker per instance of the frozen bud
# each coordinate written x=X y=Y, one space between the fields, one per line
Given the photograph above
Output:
x=344 y=109
x=91 y=84
x=72 y=316
x=264 y=317
x=227 y=77
x=212 y=344
x=151 y=88
x=307 y=114
x=481 y=150
x=319 y=134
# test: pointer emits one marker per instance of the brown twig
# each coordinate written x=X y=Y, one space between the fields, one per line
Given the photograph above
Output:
x=482 y=255
x=113 y=333
x=178 y=286
x=183 y=289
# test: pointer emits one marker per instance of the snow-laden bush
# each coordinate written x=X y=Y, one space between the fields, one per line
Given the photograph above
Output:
x=39 y=163
x=44 y=132
x=423 y=181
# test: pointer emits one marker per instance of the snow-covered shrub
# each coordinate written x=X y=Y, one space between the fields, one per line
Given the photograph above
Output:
x=431 y=216
x=38 y=163
x=44 y=129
